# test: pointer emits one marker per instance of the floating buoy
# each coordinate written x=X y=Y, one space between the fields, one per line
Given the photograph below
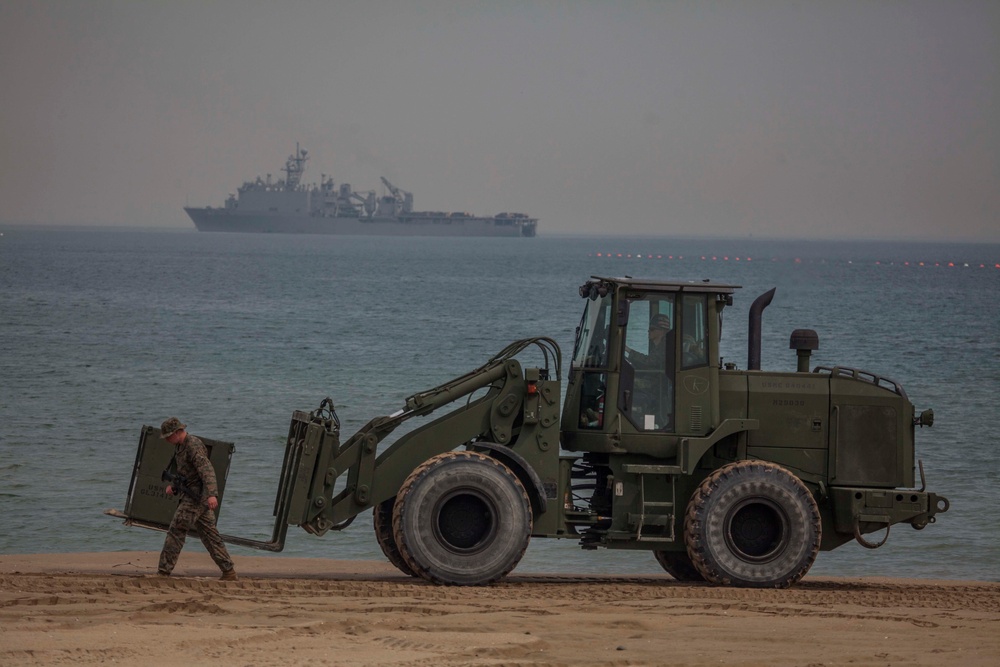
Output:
x=796 y=260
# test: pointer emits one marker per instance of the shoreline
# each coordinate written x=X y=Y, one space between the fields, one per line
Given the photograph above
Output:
x=196 y=564
x=95 y=608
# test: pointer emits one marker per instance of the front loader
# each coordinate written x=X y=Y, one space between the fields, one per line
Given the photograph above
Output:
x=728 y=476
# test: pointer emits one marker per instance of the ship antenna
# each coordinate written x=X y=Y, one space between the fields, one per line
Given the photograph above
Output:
x=294 y=167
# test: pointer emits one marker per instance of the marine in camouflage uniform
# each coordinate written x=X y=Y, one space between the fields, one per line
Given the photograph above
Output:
x=193 y=463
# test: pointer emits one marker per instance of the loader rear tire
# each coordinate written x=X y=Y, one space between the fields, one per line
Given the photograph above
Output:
x=462 y=518
x=678 y=565
x=752 y=524
x=383 y=533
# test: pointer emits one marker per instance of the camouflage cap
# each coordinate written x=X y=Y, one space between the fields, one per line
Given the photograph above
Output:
x=171 y=426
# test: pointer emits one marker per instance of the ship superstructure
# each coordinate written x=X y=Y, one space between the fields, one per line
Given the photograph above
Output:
x=289 y=205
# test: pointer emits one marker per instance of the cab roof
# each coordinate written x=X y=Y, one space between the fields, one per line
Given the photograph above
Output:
x=671 y=285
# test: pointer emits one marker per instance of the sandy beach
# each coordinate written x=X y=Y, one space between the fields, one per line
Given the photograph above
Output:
x=102 y=608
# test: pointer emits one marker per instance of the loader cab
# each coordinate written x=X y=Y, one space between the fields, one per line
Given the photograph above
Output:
x=645 y=365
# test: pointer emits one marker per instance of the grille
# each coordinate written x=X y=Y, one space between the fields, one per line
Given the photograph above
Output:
x=696 y=418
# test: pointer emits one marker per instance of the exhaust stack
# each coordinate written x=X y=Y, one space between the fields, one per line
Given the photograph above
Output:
x=753 y=336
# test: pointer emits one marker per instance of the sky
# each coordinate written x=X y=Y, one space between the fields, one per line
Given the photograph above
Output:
x=767 y=118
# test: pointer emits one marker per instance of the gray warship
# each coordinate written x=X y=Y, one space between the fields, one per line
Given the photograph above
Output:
x=290 y=206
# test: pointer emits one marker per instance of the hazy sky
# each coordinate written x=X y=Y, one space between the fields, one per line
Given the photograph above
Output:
x=804 y=119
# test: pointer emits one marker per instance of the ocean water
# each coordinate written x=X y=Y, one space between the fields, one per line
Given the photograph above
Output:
x=103 y=331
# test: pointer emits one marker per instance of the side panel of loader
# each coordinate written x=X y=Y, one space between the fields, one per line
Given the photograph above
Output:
x=793 y=410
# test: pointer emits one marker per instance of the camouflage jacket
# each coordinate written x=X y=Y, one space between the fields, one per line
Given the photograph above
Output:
x=656 y=359
x=192 y=462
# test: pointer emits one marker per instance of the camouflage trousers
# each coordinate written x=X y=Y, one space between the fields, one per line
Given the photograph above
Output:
x=191 y=515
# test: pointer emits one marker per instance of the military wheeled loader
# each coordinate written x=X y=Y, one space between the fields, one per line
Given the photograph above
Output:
x=728 y=476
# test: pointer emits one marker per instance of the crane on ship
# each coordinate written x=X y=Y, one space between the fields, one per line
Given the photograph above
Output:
x=404 y=199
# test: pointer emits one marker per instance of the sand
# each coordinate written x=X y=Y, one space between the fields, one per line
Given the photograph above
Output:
x=108 y=608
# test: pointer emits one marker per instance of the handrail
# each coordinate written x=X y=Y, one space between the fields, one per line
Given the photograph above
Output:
x=864 y=376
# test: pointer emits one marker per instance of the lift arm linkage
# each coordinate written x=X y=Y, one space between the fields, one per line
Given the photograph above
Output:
x=371 y=478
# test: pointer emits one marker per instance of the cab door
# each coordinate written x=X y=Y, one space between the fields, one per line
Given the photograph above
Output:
x=648 y=363
x=666 y=375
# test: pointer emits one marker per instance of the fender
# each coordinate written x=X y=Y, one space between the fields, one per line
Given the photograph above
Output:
x=517 y=463
x=692 y=449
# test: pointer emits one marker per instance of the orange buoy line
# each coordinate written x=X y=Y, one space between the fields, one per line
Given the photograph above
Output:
x=796 y=260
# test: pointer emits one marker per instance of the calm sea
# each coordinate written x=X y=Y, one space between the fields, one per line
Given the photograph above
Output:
x=104 y=331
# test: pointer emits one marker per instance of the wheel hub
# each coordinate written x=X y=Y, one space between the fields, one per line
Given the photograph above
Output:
x=465 y=522
x=756 y=530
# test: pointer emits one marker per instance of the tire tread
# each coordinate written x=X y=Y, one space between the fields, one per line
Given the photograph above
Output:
x=418 y=474
x=700 y=556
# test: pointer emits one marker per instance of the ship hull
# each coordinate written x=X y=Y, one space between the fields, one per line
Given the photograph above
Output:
x=226 y=220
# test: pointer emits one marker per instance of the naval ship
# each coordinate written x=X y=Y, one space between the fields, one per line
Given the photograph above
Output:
x=291 y=207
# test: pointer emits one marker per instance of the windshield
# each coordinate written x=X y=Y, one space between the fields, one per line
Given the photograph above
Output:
x=592 y=335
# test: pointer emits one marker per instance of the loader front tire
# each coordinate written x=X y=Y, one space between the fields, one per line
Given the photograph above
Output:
x=752 y=524
x=383 y=534
x=462 y=518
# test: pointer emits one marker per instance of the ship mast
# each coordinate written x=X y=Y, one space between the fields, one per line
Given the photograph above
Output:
x=294 y=166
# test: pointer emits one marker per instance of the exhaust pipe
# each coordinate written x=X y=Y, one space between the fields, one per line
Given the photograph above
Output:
x=753 y=336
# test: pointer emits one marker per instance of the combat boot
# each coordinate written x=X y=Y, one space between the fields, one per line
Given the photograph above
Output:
x=229 y=575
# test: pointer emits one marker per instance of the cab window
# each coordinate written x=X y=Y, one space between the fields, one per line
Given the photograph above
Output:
x=592 y=335
x=646 y=385
x=591 y=352
x=694 y=331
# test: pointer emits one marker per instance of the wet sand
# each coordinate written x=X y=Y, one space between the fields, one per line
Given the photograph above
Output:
x=103 y=608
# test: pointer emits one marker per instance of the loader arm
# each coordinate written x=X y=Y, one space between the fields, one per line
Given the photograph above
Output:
x=373 y=478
